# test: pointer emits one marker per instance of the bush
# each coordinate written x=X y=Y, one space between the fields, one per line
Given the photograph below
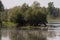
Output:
x=8 y=24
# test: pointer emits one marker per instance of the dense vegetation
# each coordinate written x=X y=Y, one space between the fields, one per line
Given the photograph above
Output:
x=33 y=15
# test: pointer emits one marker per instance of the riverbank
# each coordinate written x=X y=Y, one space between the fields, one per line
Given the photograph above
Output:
x=33 y=28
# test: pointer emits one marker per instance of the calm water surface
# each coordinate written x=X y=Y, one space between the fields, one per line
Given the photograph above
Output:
x=53 y=34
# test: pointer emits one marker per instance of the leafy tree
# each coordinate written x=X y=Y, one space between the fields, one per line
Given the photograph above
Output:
x=35 y=5
x=51 y=9
x=24 y=7
x=1 y=10
x=1 y=7
x=35 y=16
x=40 y=17
x=28 y=15
x=16 y=16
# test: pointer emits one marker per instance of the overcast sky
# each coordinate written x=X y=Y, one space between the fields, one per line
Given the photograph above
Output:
x=11 y=3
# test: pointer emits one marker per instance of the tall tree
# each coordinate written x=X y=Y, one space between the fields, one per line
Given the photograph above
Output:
x=1 y=10
x=51 y=9
x=1 y=6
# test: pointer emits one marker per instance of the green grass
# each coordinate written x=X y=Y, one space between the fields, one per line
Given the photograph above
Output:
x=8 y=24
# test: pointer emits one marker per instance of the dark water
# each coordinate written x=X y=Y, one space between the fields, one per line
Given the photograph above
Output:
x=53 y=34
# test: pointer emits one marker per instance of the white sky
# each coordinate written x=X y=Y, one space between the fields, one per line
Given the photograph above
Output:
x=11 y=3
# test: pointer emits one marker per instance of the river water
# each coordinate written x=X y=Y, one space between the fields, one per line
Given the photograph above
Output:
x=50 y=34
x=54 y=34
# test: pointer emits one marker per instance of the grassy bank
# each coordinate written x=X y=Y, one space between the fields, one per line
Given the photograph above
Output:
x=11 y=25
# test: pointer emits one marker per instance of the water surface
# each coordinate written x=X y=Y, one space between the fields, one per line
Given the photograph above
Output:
x=53 y=34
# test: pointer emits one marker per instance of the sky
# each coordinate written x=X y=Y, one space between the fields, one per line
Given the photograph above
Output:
x=44 y=3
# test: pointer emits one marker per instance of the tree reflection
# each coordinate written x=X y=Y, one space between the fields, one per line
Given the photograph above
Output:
x=28 y=35
x=37 y=35
x=0 y=34
x=51 y=34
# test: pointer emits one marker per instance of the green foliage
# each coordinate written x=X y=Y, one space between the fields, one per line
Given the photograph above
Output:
x=1 y=11
x=1 y=6
x=24 y=7
x=8 y=24
x=35 y=5
x=29 y=15
x=25 y=15
x=53 y=12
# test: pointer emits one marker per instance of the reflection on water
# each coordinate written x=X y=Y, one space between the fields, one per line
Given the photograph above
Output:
x=28 y=35
x=5 y=38
x=4 y=34
x=53 y=35
x=31 y=34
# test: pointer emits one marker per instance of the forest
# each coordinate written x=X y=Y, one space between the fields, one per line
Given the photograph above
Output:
x=24 y=15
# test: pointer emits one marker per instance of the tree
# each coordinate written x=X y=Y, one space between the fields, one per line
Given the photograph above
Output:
x=40 y=17
x=1 y=11
x=51 y=9
x=35 y=5
x=35 y=16
x=16 y=16
x=24 y=7
x=28 y=15
x=43 y=15
x=1 y=7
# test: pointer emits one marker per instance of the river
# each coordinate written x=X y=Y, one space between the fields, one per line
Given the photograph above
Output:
x=50 y=34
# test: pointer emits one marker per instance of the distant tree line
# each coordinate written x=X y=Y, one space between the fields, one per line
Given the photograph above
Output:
x=29 y=15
